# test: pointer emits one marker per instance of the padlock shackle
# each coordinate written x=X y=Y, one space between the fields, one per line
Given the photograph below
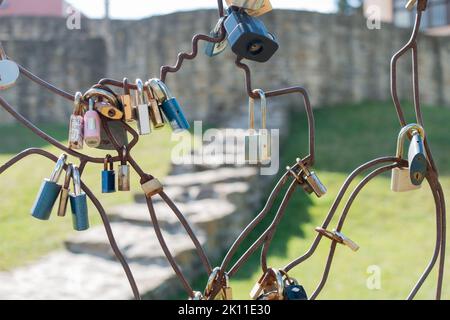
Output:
x=160 y=90
x=123 y=158
x=78 y=104
x=68 y=176
x=103 y=94
x=140 y=100
x=108 y=160
x=76 y=181
x=251 y=107
x=408 y=129
x=126 y=87
x=91 y=104
x=59 y=167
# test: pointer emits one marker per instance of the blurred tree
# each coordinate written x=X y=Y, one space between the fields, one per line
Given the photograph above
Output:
x=349 y=6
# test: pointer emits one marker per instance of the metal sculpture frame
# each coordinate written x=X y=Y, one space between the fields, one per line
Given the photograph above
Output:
x=382 y=165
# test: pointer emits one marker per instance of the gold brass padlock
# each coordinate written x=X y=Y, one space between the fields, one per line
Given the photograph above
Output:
x=403 y=179
x=225 y=293
x=246 y=4
x=269 y=287
x=106 y=103
x=152 y=187
x=127 y=104
x=155 y=111
x=266 y=8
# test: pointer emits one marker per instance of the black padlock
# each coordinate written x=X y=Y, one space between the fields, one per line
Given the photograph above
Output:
x=295 y=292
x=248 y=36
x=417 y=159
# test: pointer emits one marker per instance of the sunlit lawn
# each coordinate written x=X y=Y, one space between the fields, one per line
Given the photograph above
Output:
x=395 y=231
x=23 y=238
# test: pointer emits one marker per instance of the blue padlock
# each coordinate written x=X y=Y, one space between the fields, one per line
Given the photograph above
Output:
x=49 y=192
x=169 y=106
x=108 y=176
x=213 y=49
x=248 y=36
x=78 y=203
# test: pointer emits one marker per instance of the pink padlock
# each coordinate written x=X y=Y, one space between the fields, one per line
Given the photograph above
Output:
x=92 y=126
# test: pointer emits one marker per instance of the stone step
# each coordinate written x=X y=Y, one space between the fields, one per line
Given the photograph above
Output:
x=138 y=243
x=211 y=177
x=64 y=275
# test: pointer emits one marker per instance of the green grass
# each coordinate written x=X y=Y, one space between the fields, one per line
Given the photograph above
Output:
x=395 y=231
x=24 y=239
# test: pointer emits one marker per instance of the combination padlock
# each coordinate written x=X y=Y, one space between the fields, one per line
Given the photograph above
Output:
x=78 y=203
x=124 y=172
x=127 y=104
x=248 y=36
x=92 y=136
x=9 y=71
x=169 y=106
x=312 y=180
x=64 y=197
x=269 y=286
x=410 y=178
x=76 y=124
x=213 y=49
x=141 y=109
x=152 y=187
x=258 y=142
x=155 y=111
x=108 y=176
x=49 y=192
x=292 y=289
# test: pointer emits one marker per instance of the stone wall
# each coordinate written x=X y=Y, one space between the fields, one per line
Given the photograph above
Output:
x=336 y=58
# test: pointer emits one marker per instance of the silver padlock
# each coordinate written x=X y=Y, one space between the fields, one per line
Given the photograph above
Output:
x=124 y=173
x=258 y=142
x=141 y=109
x=312 y=180
x=152 y=187
x=402 y=179
x=9 y=71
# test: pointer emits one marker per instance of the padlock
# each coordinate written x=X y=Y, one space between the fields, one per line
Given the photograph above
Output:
x=49 y=192
x=248 y=36
x=92 y=126
x=312 y=180
x=265 y=8
x=124 y=172
x=169 y=106
x=417 y=159
x=152 y=187
x=292 y=290
x=269 y=286
x=64 y=197
x=258 y=142
x=9 y=71
x=213 y=49
x=155 y=111
x=127 y=104
x=78 y=203
x=246 y=4
x=106 y=103
x=410 y=178
x=225 y=293
x=141 y=109
x=76 y=124
x=108 y=175
x=198 y=296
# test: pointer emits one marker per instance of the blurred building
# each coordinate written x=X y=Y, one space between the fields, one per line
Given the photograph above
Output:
x=45 y=8
x=436 y=19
